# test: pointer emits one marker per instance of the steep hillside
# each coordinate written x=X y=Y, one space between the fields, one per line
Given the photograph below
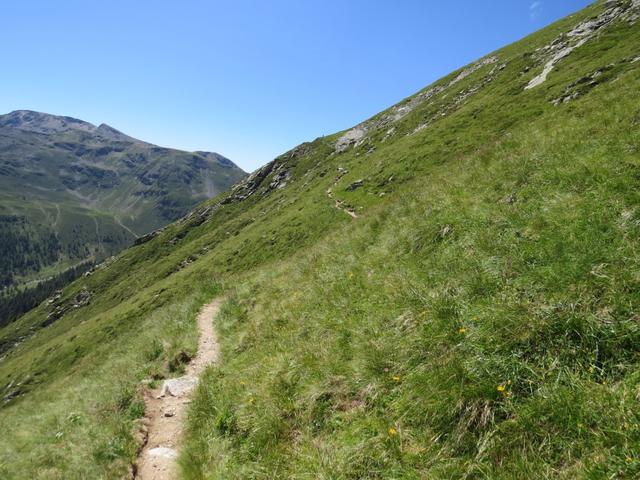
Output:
x=71 y=192
x=448 y=290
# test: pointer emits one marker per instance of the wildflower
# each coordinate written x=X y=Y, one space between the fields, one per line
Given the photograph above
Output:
x=501 y=388
x=462 y=330
x=392 y=432
x=396 y=378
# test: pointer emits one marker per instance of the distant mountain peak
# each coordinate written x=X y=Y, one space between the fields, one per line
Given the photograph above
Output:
x=43 y=122
x=111 y=133
x=221 y=159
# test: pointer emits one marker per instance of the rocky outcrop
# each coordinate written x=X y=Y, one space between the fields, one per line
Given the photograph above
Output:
x=563 y=45
x=357 y=135
x=148 y=237
x=60 y=308
x=586 y=83
x=355 y=185
x=460 y=98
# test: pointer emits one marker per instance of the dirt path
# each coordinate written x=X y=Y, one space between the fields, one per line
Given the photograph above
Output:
x=166 y=407
x=339 y=204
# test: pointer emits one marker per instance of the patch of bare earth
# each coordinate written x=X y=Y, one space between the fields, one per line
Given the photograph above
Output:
x=166 y=407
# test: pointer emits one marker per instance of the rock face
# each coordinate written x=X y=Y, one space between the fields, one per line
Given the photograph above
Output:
x=563 y=45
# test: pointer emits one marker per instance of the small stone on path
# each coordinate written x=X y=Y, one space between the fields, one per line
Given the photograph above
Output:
x=163 y=452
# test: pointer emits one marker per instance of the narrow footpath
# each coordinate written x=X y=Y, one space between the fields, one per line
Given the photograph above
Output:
x=166 y=407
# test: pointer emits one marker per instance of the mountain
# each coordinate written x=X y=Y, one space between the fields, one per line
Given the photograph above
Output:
x=72 y=192
x=449 y=289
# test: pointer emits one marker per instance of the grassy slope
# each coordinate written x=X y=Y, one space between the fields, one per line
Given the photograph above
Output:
x=478 y=320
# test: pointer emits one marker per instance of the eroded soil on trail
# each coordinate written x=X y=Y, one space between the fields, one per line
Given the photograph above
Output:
x=166 y=407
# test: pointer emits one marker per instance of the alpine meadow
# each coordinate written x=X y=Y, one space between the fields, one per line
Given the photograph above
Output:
x=448 y=290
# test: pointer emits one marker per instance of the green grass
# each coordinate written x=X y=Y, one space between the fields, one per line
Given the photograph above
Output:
x=82 y=424
x=478 y=320
x=416 y=319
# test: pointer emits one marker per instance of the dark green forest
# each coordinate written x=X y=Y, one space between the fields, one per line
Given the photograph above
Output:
x=24 y=249
x=14 y=302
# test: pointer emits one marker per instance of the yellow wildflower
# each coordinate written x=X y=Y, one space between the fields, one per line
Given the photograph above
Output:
x=392 y=432
x=462 y=330
x=501 y=388
x=396 y=378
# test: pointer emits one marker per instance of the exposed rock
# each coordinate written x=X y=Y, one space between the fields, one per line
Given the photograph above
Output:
x=563 y=45
x=510 y=199
x=163 y=452
x=187 y=261
x=355 y=185
x=352 y=137
x=57 y=295
x=460 y=98
x=581 y=86
x=11 y=395
x=280 y=178
x=356 y=136
x=148 y=237
x=82 y=298
x=386 y=181
x=280 y=175
x=178 y=387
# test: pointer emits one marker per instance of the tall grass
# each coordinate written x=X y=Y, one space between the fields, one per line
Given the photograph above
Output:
x=452 y=335
x=82 y=424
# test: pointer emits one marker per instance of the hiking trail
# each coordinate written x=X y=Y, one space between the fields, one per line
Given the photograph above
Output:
x=166 y=407
x=340 y=204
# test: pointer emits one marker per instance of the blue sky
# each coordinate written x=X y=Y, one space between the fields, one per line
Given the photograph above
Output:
x=246 y=78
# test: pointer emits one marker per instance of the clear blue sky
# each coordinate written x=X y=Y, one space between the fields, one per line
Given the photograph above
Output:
x=246 y=78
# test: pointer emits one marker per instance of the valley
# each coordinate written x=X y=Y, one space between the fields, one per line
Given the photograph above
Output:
x=73 y=194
